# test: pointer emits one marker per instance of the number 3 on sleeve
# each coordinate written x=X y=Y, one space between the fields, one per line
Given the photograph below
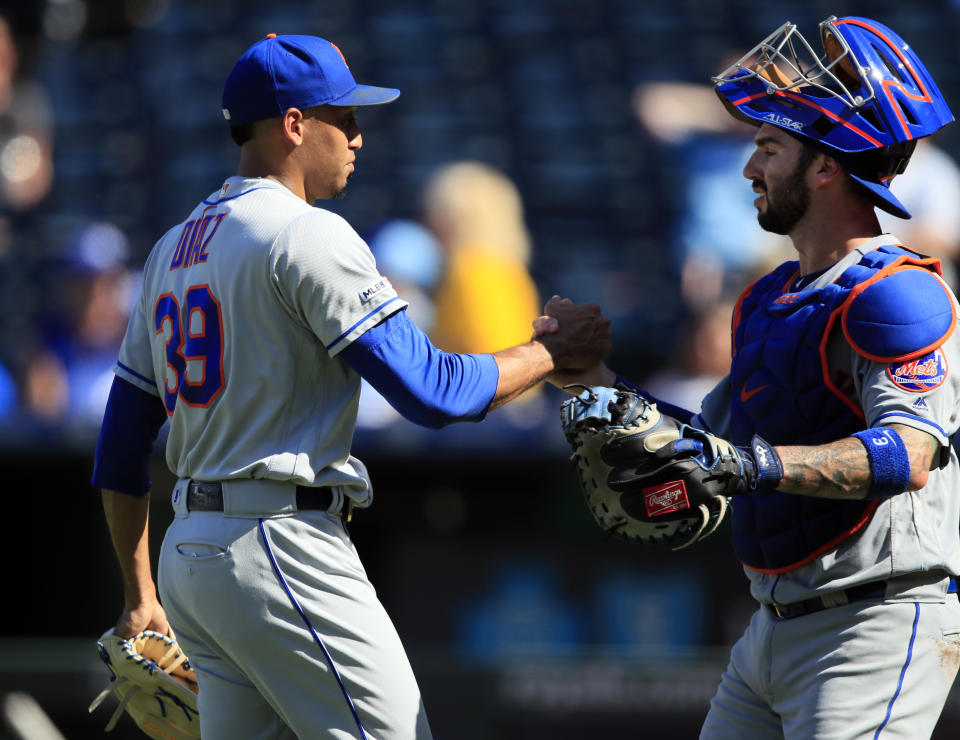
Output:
x=194 y=347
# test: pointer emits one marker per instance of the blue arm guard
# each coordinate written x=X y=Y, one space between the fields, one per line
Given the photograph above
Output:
x=130 y=426
x=428 y=386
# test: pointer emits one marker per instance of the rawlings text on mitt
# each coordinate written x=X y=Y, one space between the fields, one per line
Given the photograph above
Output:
x=154 y=682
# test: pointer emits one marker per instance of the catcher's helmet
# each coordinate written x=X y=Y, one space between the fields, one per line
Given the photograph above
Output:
x=865 y=101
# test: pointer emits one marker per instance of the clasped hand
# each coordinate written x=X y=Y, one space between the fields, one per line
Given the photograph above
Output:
x=577 y=336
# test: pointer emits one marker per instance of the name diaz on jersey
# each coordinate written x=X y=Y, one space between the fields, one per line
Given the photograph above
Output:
x=192 y=247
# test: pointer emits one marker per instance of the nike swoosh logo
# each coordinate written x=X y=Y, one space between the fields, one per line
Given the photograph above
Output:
x=746 y=395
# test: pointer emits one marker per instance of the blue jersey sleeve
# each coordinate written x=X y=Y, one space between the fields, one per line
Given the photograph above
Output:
x=426 y=385
x=678 y=413
x=131 y=423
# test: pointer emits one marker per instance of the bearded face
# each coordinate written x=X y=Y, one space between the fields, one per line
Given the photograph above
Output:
x=787 y=199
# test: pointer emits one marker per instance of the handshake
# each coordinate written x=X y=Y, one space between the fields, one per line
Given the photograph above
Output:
x=578 y=339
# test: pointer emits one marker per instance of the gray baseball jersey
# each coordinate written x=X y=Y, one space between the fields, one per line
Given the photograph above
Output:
x=252 y=297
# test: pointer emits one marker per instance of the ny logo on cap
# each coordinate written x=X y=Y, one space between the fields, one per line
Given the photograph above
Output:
x=341 y=55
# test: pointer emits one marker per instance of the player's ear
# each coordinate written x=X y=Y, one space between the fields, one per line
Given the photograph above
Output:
x=823 y=171
x=292 y=123
x=825 y=168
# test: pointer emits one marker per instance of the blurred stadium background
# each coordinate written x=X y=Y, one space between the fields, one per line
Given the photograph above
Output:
x=519 y=619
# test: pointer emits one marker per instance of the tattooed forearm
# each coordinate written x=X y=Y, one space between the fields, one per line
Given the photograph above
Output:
x=842 y=469
x=837 y=470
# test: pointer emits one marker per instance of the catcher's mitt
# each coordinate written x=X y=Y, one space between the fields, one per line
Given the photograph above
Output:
x=646 y=476
x=154 y=682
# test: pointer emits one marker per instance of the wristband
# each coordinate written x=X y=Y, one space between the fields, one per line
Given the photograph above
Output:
x=769 y=465
x=889 y=461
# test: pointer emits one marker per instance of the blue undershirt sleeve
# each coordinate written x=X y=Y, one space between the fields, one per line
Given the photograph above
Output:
x=678 y=413
x=426 y=385
x=131 y=423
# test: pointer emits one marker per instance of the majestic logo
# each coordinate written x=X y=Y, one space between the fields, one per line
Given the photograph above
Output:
x=666 y=498
x=367 y=293
x=778 y=119
x=921 y=375
x=920 y=404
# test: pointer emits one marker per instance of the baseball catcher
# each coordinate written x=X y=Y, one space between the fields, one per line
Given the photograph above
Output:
x=154 y=682
x=650 y=478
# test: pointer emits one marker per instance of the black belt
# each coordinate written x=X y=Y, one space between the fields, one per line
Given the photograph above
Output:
x=875 y=590
x=207 y=496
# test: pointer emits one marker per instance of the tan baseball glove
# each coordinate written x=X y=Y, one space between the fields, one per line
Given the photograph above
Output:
x=154 y=682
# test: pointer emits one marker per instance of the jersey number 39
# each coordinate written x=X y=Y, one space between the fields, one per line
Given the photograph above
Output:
x=194 y=347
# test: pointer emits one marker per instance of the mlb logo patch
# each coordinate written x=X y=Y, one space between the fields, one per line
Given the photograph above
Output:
x=367 y=294
x=666 y=498
x=921 y=375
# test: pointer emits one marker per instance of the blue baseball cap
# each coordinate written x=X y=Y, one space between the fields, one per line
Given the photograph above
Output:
x=281 y=72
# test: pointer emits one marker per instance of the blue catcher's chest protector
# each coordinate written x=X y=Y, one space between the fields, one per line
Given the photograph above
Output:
x=783 y=389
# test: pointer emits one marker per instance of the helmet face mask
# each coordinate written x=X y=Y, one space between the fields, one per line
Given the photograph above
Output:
x=864 y=99
x=786 y=61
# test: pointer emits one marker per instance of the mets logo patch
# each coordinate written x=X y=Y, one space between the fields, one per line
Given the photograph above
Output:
x=666 y=498
x=922 y=375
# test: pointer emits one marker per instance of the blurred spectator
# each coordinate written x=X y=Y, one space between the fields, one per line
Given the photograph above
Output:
x=26 y=131
x=930 y=189
x=9 y=397
x=71 y=376
x=26 y=176
x=45 y=395
x=411 y=257
x=717 y=240
x=486 y=299
x=704 y=358
x=464 y=272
